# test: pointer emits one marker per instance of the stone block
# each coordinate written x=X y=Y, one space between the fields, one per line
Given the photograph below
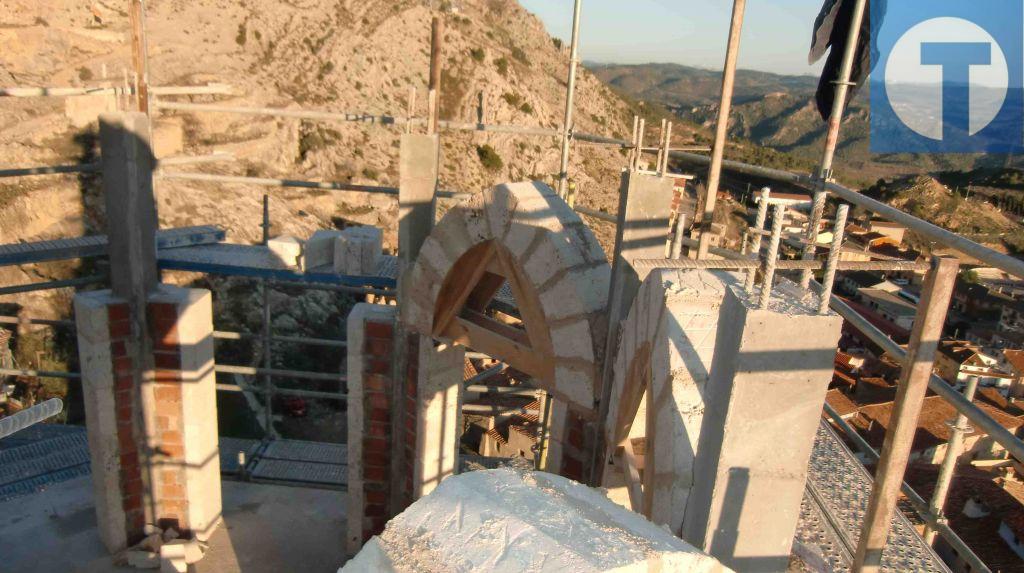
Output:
x=319 y=249
x=287 y=249
x=357 y=251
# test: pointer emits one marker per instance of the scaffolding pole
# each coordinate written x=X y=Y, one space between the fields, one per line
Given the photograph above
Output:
x=140 y=57
x=835 y=121
x=721 y=128
x=570 y=94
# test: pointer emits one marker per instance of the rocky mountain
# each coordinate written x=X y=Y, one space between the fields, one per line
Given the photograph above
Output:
x=362 y=56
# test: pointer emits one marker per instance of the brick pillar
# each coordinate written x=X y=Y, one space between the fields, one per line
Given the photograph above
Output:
x=565 y=452
x=371 y=411
x=152 y=443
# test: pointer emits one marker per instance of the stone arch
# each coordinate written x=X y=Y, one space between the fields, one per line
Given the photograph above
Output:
x=527 y=236
x=661 y=366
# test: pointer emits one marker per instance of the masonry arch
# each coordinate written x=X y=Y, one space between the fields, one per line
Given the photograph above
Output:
x=661 y=367
x=522 y=245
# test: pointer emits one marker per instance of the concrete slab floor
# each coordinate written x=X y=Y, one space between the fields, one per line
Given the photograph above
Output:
x=267 y=528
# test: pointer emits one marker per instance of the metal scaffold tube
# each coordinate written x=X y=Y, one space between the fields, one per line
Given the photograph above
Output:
x=721 y=127
x=570 y=93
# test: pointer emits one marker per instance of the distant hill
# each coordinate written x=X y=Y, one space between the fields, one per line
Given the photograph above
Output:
x=778 y=112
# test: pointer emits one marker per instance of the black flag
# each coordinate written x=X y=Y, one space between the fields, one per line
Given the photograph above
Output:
x=831 y=29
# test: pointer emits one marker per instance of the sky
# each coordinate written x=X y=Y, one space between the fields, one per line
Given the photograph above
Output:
x=776 y=33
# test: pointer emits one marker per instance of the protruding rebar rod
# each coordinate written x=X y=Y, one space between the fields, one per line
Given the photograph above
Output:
x=755 y=238
x=828 y=281
x=638 y=155
x=661 y=145
x=570 y=92
x=813 y=225
x=634 y=148
x=958 y=429
x=29 y=417
x=917 y=371
x=721 y=126
x=778 y=216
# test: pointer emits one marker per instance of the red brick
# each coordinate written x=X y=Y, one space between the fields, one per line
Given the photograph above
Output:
x=167 y=376
x=123 y=410
x=376 y=459
x=167 y=392
x=116 y=312
x=376 y=382
x=167 y=360
x=171 y=437
x=410 y=424
x=125 y=440
x=378 y=366
x=411 y=389
x=379 y=330
x=572 y=468
x=118 y=348
x=162 y=313
x=378 y=430
x=169 y=476
x=375 y=473
x=377 y=347
x=131 y=486
x=381 y=415
x=172 y=450
x=377 y=400
x=376 y=497
x=375 y=510
x=119 y=329
x=575 y=437
x=124 y=383
x=170 y=490
x=375 y=444
x=122 y=365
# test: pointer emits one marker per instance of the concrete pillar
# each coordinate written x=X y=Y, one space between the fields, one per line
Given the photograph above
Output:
x=417 y=184
x=152 y=444
x=371 y=410
x=644 y=211
x=770 y=371
x=436 y=414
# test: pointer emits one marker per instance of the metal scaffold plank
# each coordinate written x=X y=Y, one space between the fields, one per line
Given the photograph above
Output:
x=96 y=245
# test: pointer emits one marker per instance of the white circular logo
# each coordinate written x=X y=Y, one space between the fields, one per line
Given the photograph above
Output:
x=915 y=90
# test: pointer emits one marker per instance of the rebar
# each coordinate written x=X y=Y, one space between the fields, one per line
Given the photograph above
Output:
x=678 y=237
x=778 y=214
x=34 y=415
x=811 y=246
x=828 y=281
x=755 y=247
x=958 y=429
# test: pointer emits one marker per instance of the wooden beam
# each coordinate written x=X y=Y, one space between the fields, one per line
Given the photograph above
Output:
x=530 y=311
x=633 y=484
x=480 y=333
x=460 y=283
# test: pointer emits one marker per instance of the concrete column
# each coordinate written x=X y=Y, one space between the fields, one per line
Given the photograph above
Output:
x=437 y=414
x=644 y=211
x=770 y=371
x=418 y=173
x=371 y=403
x=152 y=444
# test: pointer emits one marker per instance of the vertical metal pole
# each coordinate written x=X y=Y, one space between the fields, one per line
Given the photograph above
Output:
x=140 y=57
x=778 y=215
x=668 y=150
x=958 y=430
x=721 y=127
x=434 y=95
x=268 y=384
x=755 y=246
x=570 y=93
x=631 y=158
x=835 y=120
x=661 y=146
x=828 y=282
x=917 y=369
x=639 y=144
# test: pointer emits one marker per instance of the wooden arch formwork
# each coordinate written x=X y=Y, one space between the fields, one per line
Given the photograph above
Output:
x=524 y=235
x=662 y=364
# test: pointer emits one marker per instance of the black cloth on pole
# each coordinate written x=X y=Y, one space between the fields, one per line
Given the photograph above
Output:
x=831 y=28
